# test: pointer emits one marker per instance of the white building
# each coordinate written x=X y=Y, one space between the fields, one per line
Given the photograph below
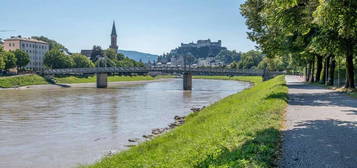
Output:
x=36 y=49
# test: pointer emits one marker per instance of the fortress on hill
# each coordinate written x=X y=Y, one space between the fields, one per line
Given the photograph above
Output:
x=203 y=43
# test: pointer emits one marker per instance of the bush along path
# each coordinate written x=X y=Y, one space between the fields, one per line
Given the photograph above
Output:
x=241 y=130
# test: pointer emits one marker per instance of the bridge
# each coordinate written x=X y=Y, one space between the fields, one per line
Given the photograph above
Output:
x=102 y=73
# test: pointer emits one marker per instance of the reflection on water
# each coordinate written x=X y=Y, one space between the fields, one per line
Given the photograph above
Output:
x=66 y=127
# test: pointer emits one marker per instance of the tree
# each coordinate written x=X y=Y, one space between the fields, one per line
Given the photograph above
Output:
x=57 y=59
x=22 y=58
x=227 y=56
x=250 y=59
x=52 y=43
x=97 y=52
x=2 y=59
x=81 y=61
x=110 y=53
x=233 y=65
x=105 y=62
x=10 y=60
x=341 y=17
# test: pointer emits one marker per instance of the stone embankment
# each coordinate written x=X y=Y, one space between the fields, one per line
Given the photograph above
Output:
x=179 y=120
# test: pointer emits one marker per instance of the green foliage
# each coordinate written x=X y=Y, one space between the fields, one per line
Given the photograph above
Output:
x=105 y=62
x=250 y=60
x=2 y=59
x=274 y=64
x=234 y=65
x=227 y=56
x=22 y=58
x=23 y=80
x=97 y=52
x=52 y=43
x=304 y=32
x=241 y=130
x=56 y=59
x=81 y=61
x=10 y=60
x=110 y=53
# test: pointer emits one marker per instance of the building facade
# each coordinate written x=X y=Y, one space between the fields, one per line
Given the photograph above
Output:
x=36 y=49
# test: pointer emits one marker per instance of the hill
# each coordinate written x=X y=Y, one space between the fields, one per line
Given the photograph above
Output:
x=137 y=56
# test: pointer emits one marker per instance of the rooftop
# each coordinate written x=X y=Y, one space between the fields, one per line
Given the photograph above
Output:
x=15 y=38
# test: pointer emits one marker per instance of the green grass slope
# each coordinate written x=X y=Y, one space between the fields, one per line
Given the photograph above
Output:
x=241 y=130
x=24 y=80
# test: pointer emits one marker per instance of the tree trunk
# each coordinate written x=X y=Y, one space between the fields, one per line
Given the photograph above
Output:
x=350 y=82
x=318 y=68
x=307 y=73
x=332 y=71
x=312 y=69
x=326 y=70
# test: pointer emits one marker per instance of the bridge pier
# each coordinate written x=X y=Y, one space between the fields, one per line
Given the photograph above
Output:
x=102 y=80
x=187 y=81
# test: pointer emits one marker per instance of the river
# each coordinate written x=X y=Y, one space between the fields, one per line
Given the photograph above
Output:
x=66 y=127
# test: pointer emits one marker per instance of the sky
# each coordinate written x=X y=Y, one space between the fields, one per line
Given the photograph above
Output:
x=152 y=26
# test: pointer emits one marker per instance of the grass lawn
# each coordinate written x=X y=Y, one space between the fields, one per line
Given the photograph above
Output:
x=241 y=130
x=254 y=79
x=23 y=80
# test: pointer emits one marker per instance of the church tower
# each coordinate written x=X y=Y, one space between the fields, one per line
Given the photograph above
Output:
x=113 y=38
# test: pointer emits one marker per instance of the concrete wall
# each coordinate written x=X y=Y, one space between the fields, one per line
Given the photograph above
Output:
x=102 y=80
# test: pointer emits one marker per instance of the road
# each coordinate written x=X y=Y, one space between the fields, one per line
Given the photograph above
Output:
x=320 y=129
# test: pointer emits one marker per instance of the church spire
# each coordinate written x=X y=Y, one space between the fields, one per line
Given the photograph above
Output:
x=113 y=38
x=114 y=31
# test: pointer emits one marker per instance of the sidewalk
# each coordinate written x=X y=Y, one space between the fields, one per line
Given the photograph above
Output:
x=320 y=128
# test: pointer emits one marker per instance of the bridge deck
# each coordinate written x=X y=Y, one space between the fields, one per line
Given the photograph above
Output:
x=220 y=71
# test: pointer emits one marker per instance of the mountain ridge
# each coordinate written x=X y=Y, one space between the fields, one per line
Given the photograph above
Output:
x=137 y=55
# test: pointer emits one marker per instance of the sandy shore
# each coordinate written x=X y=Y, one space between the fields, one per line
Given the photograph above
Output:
x=83 y=85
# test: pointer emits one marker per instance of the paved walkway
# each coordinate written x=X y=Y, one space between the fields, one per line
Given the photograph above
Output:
x=321 y=128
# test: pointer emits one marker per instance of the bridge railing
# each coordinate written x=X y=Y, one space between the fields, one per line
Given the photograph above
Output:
x=148 y=69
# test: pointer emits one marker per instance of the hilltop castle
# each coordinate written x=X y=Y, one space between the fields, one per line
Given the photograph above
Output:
x=202 y=50
x=203 y=43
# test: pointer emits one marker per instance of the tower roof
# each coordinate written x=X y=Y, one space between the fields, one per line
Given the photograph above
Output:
x=114 y=31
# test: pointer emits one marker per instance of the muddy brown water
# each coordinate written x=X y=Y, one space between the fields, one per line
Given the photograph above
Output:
x=66 y=127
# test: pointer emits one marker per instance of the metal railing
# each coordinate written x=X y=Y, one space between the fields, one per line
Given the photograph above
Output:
x=222 y=71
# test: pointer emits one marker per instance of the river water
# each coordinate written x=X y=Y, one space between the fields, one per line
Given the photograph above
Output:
x=66 y=127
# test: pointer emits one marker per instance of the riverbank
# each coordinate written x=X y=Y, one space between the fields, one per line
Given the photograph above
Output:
x=241 y=130
x=92 y=79
x=21 y=80
x=252 y=79
x=34 y=81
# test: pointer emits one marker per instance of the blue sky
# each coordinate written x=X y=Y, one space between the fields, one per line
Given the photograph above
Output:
x=153 y=26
